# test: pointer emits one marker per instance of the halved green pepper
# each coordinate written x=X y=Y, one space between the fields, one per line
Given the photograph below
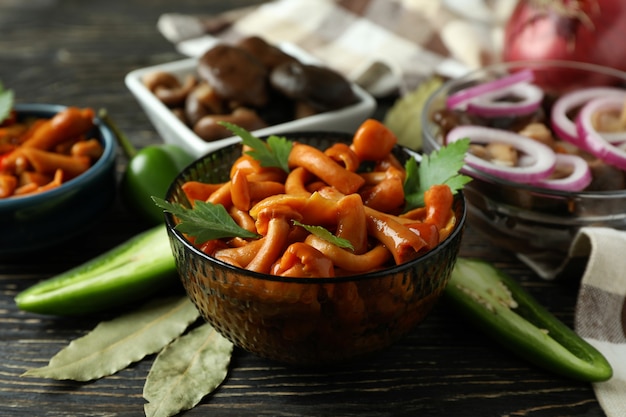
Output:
x=133 y=270
x=499 y=306
x=150 y=172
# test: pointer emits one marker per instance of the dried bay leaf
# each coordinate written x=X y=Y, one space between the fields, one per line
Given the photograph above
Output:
x=404 y=117
x=113 y=345
x=185 y=371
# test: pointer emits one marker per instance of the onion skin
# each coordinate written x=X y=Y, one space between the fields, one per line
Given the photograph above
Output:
x=593 y=141
x=583 y=30
x=578 y=180
x=461 y=98
x=564 y=127
x=489 y=105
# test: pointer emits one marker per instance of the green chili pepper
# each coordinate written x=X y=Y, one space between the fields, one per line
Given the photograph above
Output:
x=150 y=172
x=498 y=305
x=133 y=270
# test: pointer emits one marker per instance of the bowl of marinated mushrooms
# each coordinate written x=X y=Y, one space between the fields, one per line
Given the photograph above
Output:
x=262 y=87
x=57 y=176
x=318 y=261
x=547 y=153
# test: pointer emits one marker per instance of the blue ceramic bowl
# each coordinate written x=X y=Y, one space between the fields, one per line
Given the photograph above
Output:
x=32 y=223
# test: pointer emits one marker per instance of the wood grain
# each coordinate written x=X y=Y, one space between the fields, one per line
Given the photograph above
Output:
x=78 y=52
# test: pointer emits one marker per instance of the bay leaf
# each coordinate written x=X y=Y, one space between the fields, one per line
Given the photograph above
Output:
x=183 y=373
x=403 y=118
x=113 y=345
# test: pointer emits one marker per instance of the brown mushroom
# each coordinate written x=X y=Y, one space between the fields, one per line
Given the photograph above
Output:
x=167 y=88
x=235 y=74
x=209 y=129
x=201 y=101
x=269 y=55
x=321 y=87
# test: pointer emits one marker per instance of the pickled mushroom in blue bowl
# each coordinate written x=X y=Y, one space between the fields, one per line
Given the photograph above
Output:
x=57 y=175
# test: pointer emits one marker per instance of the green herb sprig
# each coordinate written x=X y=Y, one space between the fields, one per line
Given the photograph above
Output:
x=440 y=167
x=205 y=221
x=273 y=153
x=323 y=233
x=208 y=221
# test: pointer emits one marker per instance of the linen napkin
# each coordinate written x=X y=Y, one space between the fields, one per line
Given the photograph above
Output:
x=600 y=315
x=385 y=46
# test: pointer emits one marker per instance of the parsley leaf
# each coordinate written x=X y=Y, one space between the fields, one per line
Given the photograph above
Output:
x=323 y=233
x=6 y=102
x=205 y=221
x=440 y=167
x=273 y=153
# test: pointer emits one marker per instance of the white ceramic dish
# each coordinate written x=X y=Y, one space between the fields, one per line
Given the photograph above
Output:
x=173 y=131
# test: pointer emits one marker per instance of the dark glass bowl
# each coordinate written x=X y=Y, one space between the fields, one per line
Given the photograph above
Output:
x=308 y=321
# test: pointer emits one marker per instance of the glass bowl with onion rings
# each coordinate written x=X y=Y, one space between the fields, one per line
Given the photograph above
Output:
x=307 y=301
x=547 y=154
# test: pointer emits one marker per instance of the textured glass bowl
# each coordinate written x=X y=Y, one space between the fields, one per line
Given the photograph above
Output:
x=308 y=321
x=537 y=224
x=33 y=223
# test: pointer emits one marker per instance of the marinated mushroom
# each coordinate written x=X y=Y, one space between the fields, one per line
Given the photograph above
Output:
x=167 y=88
x=235 y=74
x=201 y=101
x=233 y=83
x=269 y=55
x=321 y=87
x=209 y=129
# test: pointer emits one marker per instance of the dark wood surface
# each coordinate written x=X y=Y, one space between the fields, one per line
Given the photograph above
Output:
x=77 y=53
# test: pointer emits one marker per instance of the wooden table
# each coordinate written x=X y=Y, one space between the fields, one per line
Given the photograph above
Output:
x=77 y=53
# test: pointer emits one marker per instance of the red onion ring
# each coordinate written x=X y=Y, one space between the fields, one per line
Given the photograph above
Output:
x=488 y=104
x=609 y=103
x=578 y=180
x=594 y=142
x=539 y=168
x=563 y=126
x=460 y=98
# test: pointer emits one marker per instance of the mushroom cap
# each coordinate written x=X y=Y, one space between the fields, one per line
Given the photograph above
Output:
x=235 y=75
x=269 y=55
x=322 y=88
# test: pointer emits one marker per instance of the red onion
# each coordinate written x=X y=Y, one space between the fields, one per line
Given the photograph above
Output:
x=579 y=178
x=491 y=104
x=611 y=103
x=542 y=161
x=459 y=99
x=562 y=125
x=573 y=30
x=593 y=141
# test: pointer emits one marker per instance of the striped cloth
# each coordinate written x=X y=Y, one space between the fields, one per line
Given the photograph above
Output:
x=601 y=308
x=384 y=45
